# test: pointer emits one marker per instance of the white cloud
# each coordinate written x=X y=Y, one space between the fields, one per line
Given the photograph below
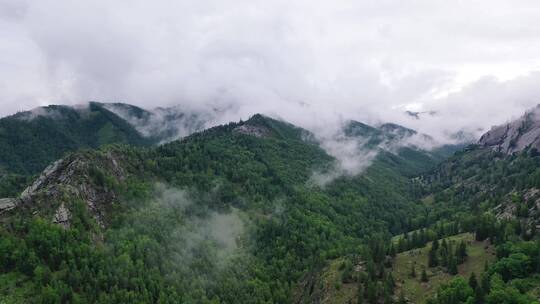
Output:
x=310 y=62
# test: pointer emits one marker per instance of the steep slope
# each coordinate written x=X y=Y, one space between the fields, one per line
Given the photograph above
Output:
x=491 y=190
x=32 y=140
x=161 y=124
x=503 y=163
x=417 y=152
x=515 y=136
x=225 y=215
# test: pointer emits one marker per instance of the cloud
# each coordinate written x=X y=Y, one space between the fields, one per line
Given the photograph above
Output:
x=167 y=124
x=352 y=157
x=196 y=226
x=311 y=62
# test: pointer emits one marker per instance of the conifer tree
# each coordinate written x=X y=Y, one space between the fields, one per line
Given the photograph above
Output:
x=452 y=266
x=433 y=261
x=461 y=252
x=360 y=297
x=424 y=277
x=435 y=245
x=472 y=281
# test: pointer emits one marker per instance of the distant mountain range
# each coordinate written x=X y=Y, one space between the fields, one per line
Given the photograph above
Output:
x=33 y=139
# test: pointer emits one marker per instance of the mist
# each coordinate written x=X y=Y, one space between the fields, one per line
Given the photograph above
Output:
x=189 y=229
x=314 y=64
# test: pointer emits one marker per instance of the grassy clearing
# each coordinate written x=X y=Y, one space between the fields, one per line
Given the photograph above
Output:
x=335 y=290
x=416 y=291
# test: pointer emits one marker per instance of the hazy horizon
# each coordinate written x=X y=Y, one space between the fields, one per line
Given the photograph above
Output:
x=312 y=63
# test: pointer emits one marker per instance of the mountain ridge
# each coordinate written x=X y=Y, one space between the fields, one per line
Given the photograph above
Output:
x=230 y=215
x=516 y=136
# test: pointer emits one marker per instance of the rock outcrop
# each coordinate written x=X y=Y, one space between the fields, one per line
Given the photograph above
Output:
x=7 y=204
x=257 y=131
x=516 y=136
x=76 y=178
x=509 y=207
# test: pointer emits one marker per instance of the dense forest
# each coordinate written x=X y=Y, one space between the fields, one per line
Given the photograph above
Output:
x=31 y=140
x=233 y=214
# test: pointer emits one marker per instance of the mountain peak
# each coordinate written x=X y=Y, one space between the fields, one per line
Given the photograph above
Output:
x=260 y=125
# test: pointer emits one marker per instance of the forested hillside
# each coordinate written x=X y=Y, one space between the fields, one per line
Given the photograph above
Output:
x=33 y=139
x=237 y=214
x=493 y=193
x=264 y=222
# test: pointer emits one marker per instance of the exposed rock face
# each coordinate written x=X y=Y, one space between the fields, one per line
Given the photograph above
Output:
x=67 y=181
x=7 y=204
x=62 y=216
x=508 y=208
x=257 y=131
x=515 y=136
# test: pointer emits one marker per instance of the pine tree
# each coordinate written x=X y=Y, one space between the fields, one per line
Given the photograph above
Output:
x=402 y=246
x=392 y=250
x=424 y=277
x=435 y=245
x=371 y=292
x=388 y=299
x=360 y=298
x=478 y=295
x=390 y=282
x=452 y=267
x=413 y=271
x=461 y=252
x=444 y=253
x=533 y=230
x=485 y=282
x=444 y=244
x=382 y=272
x=472 y=281
x=433 y=261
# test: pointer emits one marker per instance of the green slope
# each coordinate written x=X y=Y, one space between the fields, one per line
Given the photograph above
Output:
x=32 y=140
x=226 y=215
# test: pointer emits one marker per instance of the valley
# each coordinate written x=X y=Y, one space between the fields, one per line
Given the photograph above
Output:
x=258 y=211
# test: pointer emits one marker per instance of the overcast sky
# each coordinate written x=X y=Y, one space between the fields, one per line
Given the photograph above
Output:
x=310 y=62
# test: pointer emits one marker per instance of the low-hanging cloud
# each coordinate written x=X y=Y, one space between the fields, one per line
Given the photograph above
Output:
x=354 y=153
x=311 y=63
x=351 y=155
x=167 y=124
x=197 y=226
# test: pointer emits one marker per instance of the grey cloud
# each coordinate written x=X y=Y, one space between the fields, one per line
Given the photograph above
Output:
x=312 y=63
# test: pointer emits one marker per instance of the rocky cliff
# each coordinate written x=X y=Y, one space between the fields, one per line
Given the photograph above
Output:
x=515 y=136
x=86 y=177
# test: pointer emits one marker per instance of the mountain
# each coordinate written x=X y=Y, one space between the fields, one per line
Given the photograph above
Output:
x=34 y=139
x=401 y=141
x=231 y=214
x=491 y=190
x=483 y=205
x=386 y=133
x=245 y=184
x=161 y=124
x=516 y=136
x=418 y=115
